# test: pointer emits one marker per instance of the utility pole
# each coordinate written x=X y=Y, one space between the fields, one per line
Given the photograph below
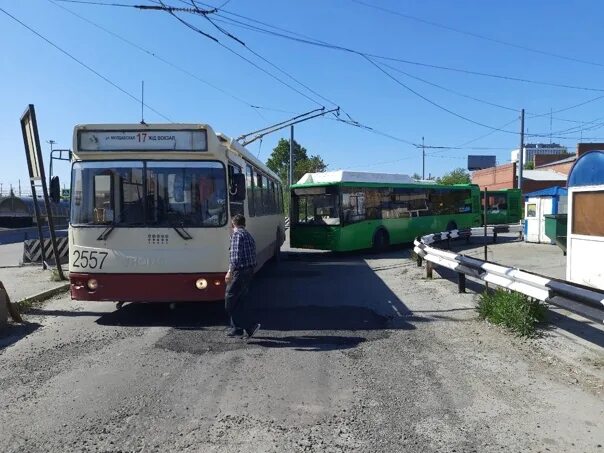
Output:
x=521 y=154
x=51 y=143
x=423 y=160
x=291 y=170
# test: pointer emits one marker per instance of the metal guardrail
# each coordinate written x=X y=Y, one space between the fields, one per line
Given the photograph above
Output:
x=582 y=300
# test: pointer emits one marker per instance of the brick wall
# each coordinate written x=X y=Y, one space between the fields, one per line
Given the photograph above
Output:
x=528 y=185
x=501 y=177
x=582 y=148
x=544 y=159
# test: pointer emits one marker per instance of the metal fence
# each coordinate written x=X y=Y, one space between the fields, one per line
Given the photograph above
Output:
x=582 y=300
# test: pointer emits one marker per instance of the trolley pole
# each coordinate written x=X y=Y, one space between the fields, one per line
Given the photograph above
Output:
x=291 y=170
x=521 y=155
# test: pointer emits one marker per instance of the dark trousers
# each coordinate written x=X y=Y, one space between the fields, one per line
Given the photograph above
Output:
x=236 y=290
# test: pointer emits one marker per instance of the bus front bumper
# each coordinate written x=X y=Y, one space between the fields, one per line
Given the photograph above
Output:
x=147 y=287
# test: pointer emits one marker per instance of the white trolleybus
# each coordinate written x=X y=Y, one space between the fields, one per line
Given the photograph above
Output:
x=151 y=208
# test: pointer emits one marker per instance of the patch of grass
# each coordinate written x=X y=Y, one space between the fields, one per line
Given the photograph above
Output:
x=513 y=310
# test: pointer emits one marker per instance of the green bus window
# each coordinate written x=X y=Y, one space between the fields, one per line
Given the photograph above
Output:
x=249 y=182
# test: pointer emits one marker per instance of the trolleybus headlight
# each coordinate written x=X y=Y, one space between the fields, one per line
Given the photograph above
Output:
x=201 y=283
x=92 y=284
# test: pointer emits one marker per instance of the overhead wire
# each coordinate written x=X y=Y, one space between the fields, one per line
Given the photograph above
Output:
x=350 y=122
x=89 y=68
x=312 y=41
x=304 y=39
x=207 y=35
x=477 y=35
x=165 y=61
x=366 y=56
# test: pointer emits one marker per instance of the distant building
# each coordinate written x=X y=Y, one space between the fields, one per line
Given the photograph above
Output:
x=506 y=177
x=565 y=163
x=533 y=149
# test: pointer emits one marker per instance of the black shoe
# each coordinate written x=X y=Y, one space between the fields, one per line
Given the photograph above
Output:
x=235 y=333
x=251 y=332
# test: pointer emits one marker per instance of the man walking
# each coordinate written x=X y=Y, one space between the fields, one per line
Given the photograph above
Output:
x=242 y=261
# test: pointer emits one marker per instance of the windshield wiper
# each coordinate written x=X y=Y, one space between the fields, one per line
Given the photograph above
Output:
x=105 y=234
x=182 y=232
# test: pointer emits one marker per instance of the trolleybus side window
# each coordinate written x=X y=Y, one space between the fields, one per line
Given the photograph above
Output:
x=258 y=193
x=236 y=207
x=266 y=196
x=249 y=183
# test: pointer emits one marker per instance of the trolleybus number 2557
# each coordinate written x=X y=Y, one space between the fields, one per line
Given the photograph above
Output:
x=89 y=259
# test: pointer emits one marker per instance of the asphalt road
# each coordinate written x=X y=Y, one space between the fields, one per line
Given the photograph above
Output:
x=357 y=353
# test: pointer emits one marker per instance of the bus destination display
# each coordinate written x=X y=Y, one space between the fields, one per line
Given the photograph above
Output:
x=146 y=140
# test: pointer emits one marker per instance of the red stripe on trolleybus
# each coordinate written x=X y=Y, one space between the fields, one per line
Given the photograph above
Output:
x=148 y=287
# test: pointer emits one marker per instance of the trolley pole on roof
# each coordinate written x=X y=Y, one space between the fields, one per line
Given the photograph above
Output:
x=291 y=170
x=521 y=154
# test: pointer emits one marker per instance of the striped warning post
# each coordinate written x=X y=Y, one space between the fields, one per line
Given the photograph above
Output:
x=32 y=250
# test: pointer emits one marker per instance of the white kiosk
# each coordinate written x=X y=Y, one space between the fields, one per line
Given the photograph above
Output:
x=585 y=247
x=552 y=200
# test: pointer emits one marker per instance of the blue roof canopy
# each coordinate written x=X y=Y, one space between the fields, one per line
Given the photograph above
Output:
x=588 y=170
x=555 y=191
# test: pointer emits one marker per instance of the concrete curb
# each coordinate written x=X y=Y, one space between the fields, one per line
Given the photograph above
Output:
x=26 y=303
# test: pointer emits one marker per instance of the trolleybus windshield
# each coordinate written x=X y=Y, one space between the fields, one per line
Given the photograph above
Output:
x=316 y=206
x=155 y=194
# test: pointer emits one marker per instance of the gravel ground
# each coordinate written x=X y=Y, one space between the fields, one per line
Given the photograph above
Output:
x=357 y=353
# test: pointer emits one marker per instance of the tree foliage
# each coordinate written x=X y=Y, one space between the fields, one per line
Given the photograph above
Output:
x=457 y=176
x=279 y=161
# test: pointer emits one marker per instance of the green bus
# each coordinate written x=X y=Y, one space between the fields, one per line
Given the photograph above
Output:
x=343 y=211
x=503 y=206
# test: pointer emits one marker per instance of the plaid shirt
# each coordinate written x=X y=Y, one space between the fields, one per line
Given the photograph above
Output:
x=242 y=251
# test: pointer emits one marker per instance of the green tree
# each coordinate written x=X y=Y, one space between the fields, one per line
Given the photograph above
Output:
x=279 y=161
x=529 y=165
x=416 y=175
x=457 y=176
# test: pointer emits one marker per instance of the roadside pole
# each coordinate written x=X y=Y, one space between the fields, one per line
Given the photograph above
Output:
x=521 y=154
x=484 y=221
x=35 y=163
x=291 y=171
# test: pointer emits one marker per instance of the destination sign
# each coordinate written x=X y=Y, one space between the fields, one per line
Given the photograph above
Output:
x=143 y=140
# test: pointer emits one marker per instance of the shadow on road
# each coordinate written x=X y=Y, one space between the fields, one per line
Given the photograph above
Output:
x=14 y=332
x=307 y=291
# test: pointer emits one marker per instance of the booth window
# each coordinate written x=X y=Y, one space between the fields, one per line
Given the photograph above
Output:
x=588 y=217
x=531 y=210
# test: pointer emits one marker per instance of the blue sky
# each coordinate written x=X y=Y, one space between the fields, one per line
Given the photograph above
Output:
x=66 y=94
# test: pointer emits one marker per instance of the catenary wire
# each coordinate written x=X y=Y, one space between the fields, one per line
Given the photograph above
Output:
x=197 y=30
x=153 y=54
x=81 y=63
x=477 y=35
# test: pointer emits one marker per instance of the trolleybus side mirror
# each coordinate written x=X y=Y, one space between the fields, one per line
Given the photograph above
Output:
x=55 y=189
x=238 y=187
